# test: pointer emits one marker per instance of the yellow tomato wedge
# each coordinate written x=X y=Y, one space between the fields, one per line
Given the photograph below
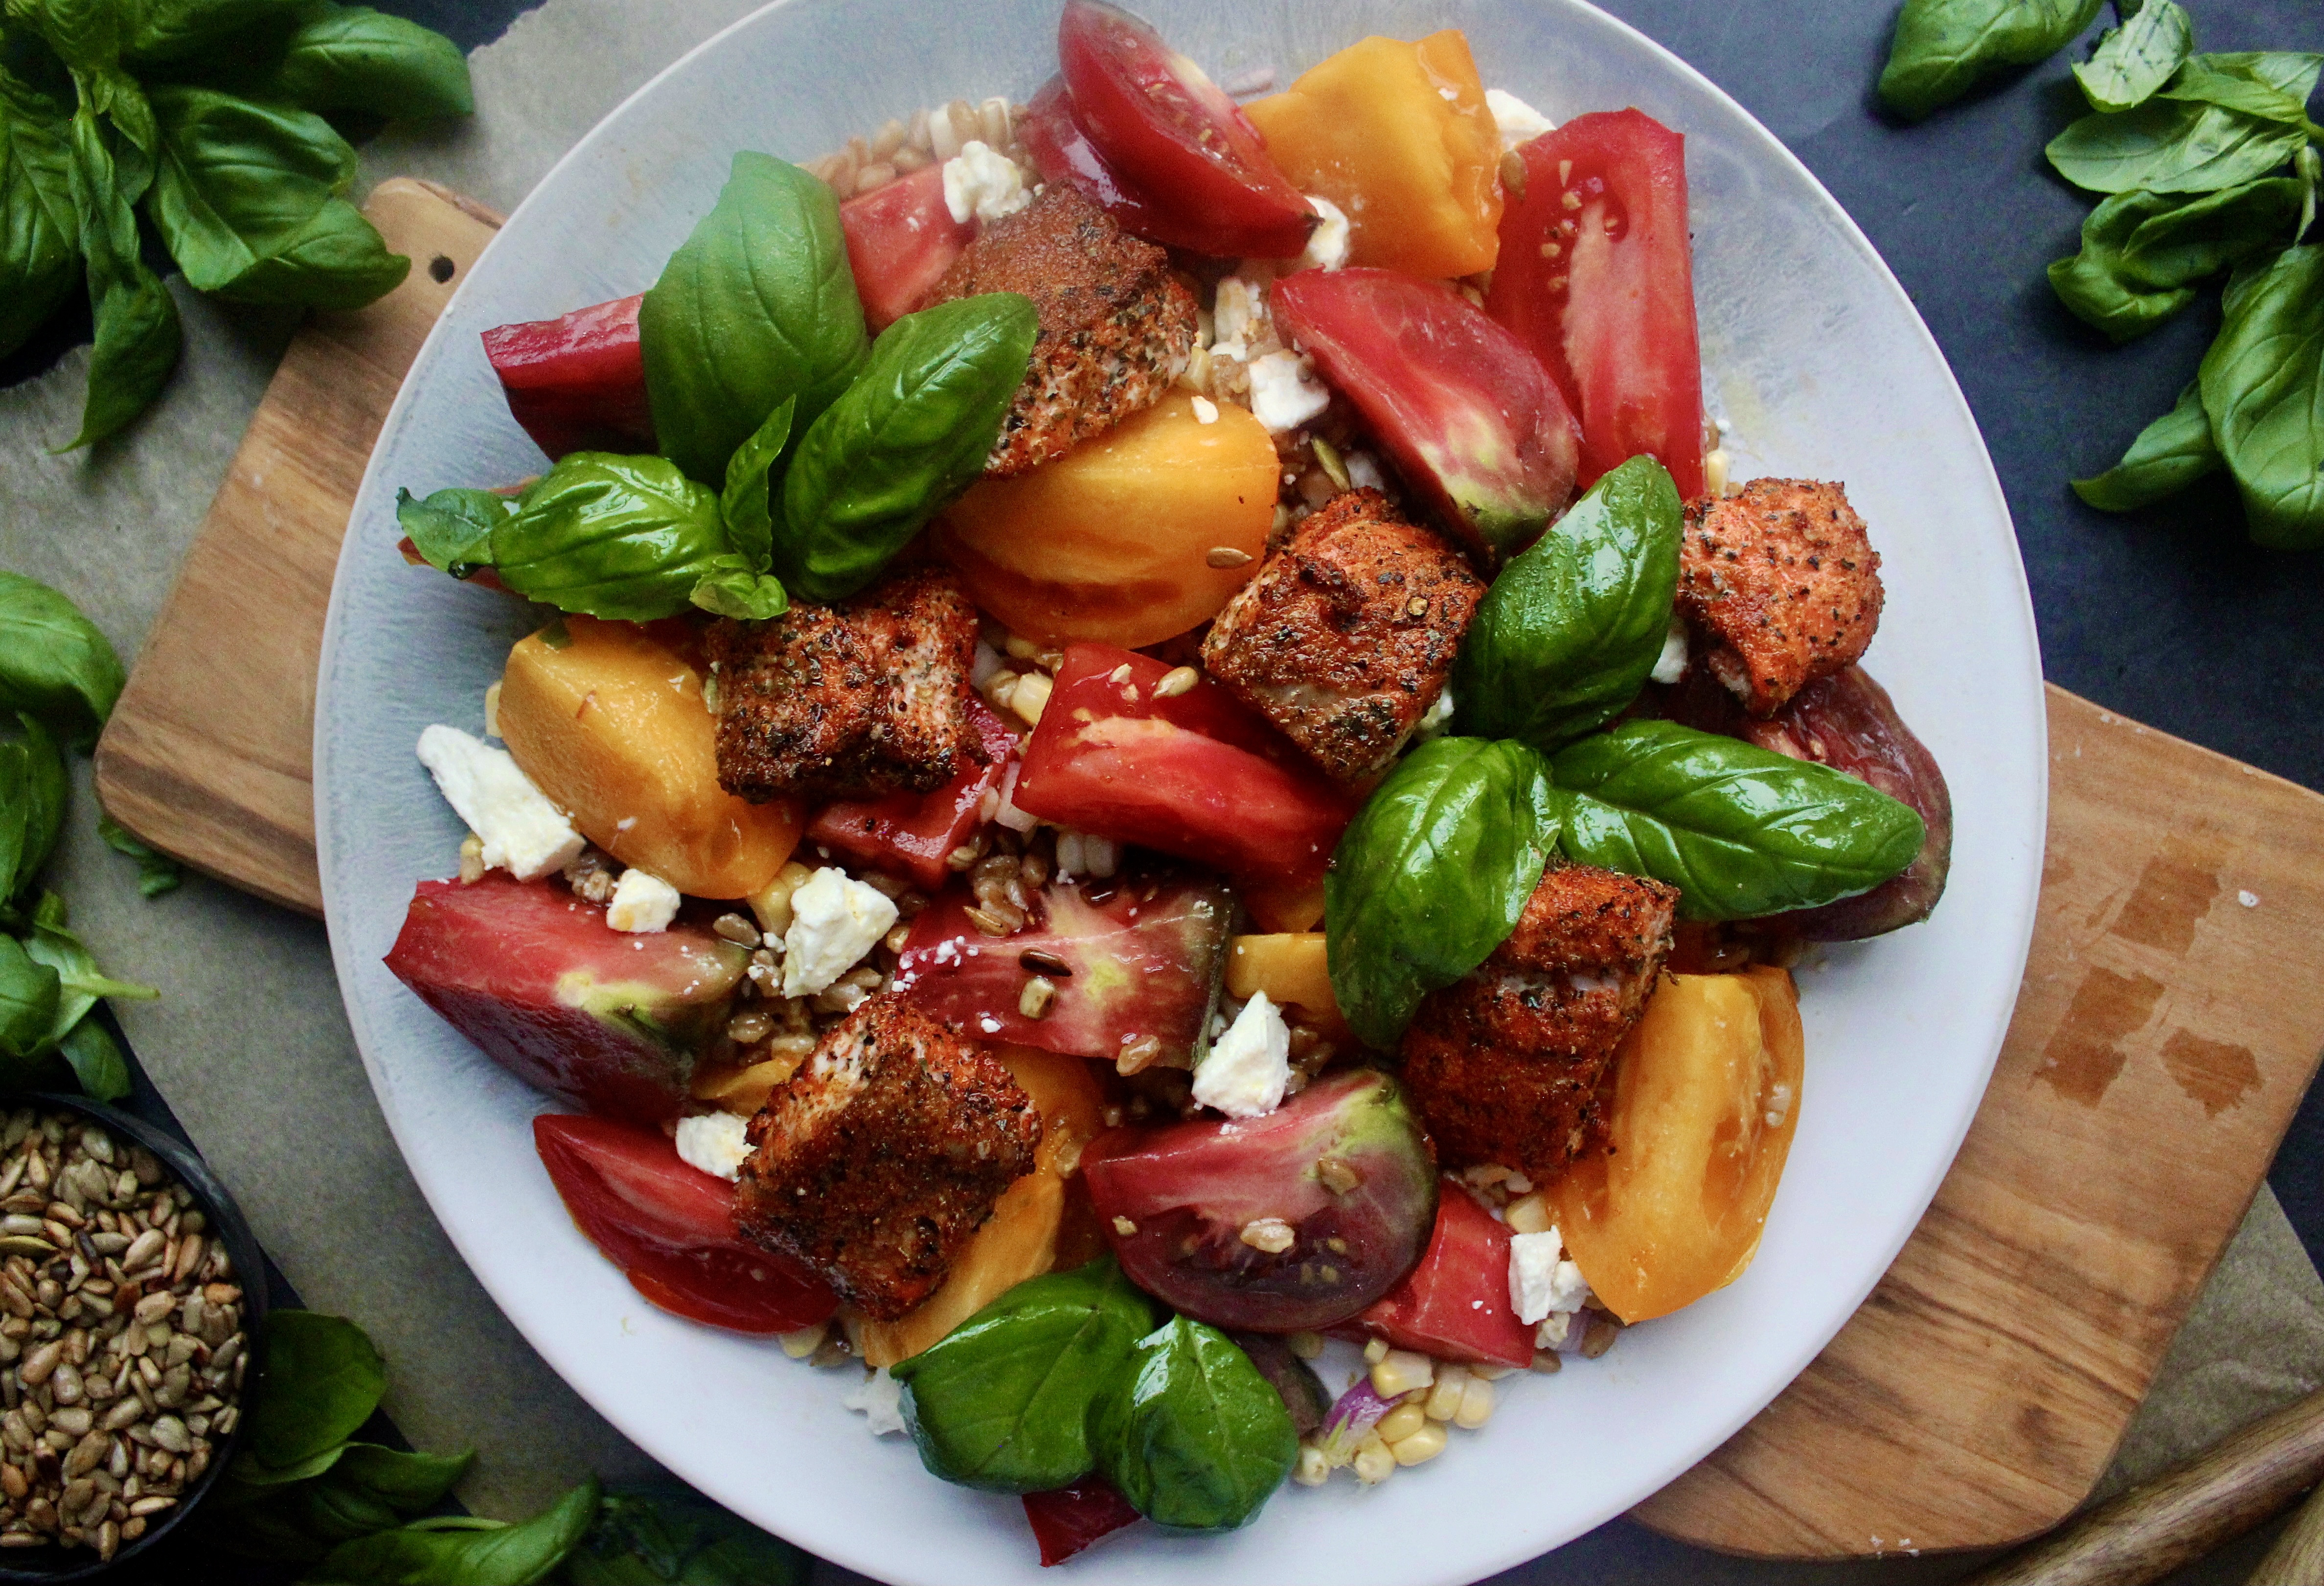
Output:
x=1707 y=1093
x=1292 y=969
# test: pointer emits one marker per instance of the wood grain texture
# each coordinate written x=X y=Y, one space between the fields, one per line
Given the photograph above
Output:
x=2297 y=1559
x=2169 y=1022
x=2163 y=1037
x=206 y=755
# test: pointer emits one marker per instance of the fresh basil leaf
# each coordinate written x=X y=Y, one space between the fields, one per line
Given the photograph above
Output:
x=2135 y=59
x=1565 y=637
x=453 y=528
x=2172 y=146
x=2212 y=232
x=2237 y=86
x=354 y=58
x=2169 y=455
x=407 y=1483
x=731 y=589
x=28 y=1000
x=138 y=336
x=238 y=180
x=671 y=1535
x=156 y=873
x=748 y=500
x=463 y=1551
x=338 y=260
x=2291 y=72
x=320 y=1378
x=1194 y=1437
x=1003 y=1401
x=909 y=436
x=2263 y=384
x=86 y=35
x=1431 y=876
x=38 y=788
x=54 y=662
x=610 y=536
x=80 y=983
x=168 y=29
x=757 y=306
x=97 y=1060
x=1944 y=48
x=1739 y=830
x=40 y=230
x=2096 y=285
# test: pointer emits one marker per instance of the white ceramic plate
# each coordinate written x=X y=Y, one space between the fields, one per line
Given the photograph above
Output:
x=1824 y=370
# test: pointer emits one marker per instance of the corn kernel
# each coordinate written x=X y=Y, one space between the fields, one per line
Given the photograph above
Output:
x=803 y=1342
x=1375 y=1352
x=773 y=904
x=1029 y=697
x=1490 y=1373
x=1307 y=1346
x=1476 y=1405
x=1530 y=1214
x=1402 y=1422
x=1313 y=1469
x=1375 y=1462
x=1444 y=1394
x=1400 y=1371
x=1421 y=1447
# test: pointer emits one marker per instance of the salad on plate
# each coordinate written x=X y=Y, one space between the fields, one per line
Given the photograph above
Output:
x=1167 y=797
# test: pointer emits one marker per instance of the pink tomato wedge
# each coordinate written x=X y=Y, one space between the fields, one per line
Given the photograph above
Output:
x=901 y=240
x=911 y=834
x=1456 y=1305
x=578 y=383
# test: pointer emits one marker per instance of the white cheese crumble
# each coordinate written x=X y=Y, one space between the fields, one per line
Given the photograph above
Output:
x=1206 y=412
x=1671 y=665
x=983 y=182
x=1245 y=1072
x=641 y=901
x=1284 y=392
x=523 y=833
x=834 y=921
x=1238 y=313
x=1327 y=244
x=1432 y=723
x=1364 y=472
x=880 y=1397
x=714 y=1142
x=1519 y=122
x=1540 y=1284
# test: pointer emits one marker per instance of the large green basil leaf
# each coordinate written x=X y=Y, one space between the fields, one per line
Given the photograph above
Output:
x=611 y=536
x=2141 y=250
x=1944 y=48
x=86 y=35
x=320 y=1378
x=459 y=1550
x=96 y=1061
x=34 y=788
x=1194 y=1436
x=2133 y=60
x=2291 y=72
x=80 y=983
x=169 y=30
x=2169 y=455
x=138 y=336
x=2172 y=146
x=1003 y=1401
x=2263 y=383
x=28 y=1000
x=54 y=662
x=671 y=1535
x=1431 y=876
x=40 y=230
x=354 y=58
x=2248 y=83
x=1739 y=830
x=338 y=260
x=1565 y=637
x=451 y=529
x=757 y=306
x=909 y=435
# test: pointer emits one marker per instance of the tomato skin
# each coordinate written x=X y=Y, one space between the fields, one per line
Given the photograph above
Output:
x=1456 y=1305
x=576 y=383
x=1068 y=1519
x=901 y=240
x=1195 y=774
x=670 y=1228
x=914 y=831
x=1161 y=122
x=1474 y=423
x=1610 y=314
x=1062 y=151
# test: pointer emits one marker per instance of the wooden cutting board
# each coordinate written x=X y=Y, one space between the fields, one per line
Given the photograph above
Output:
x=2170 y=1021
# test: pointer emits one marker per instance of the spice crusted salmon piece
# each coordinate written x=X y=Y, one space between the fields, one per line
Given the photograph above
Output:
x=1116 y=326
x=876 y=1161
x=1506 y=1064
x=1347 y=635
x=1783 y=580
x=865 y=697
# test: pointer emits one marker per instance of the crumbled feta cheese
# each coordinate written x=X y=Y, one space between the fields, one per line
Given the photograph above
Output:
x=1206 y=412
x=983 y=182
x=880 y=1397
x=1364 y=472
x=714 y=1142
x=834 y=921
x=1327 y=244
x=1540 y=1284
x=523 y=833
x=1284 y=392
x=1238 y=312
x=641 y=901
x=1519 y=122
x=1432 y=723
x=1671 y=665
x=1245 y=1072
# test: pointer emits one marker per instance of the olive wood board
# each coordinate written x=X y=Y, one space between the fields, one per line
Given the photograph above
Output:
x=2163 y=1039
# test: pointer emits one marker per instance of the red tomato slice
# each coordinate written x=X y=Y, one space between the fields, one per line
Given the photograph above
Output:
x=1456 y=1305
x=1604 y=292
x=576 y=384
x=1195 y=774
x=1159 y=120
x=670 y=1228
x=913 y=832
x=1062 y=152
x=1475 y=424
x=901 y=240
x=1068 y=1519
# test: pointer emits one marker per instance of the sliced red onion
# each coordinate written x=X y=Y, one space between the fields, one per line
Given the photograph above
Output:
x=1356 y=1412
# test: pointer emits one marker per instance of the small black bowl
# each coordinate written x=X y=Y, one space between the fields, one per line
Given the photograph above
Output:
x=225 y=1220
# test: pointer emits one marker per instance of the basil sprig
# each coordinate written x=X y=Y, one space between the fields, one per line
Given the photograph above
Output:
x=1431 y=876
x=1571 y=628
x=1944 y=48
x=908 y=435
x=453 y=528
x=1739 y=830
x=2141 y=250
x=2135 y=60
x=1193 y=1436
x=757 y=306
x=610 y=536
